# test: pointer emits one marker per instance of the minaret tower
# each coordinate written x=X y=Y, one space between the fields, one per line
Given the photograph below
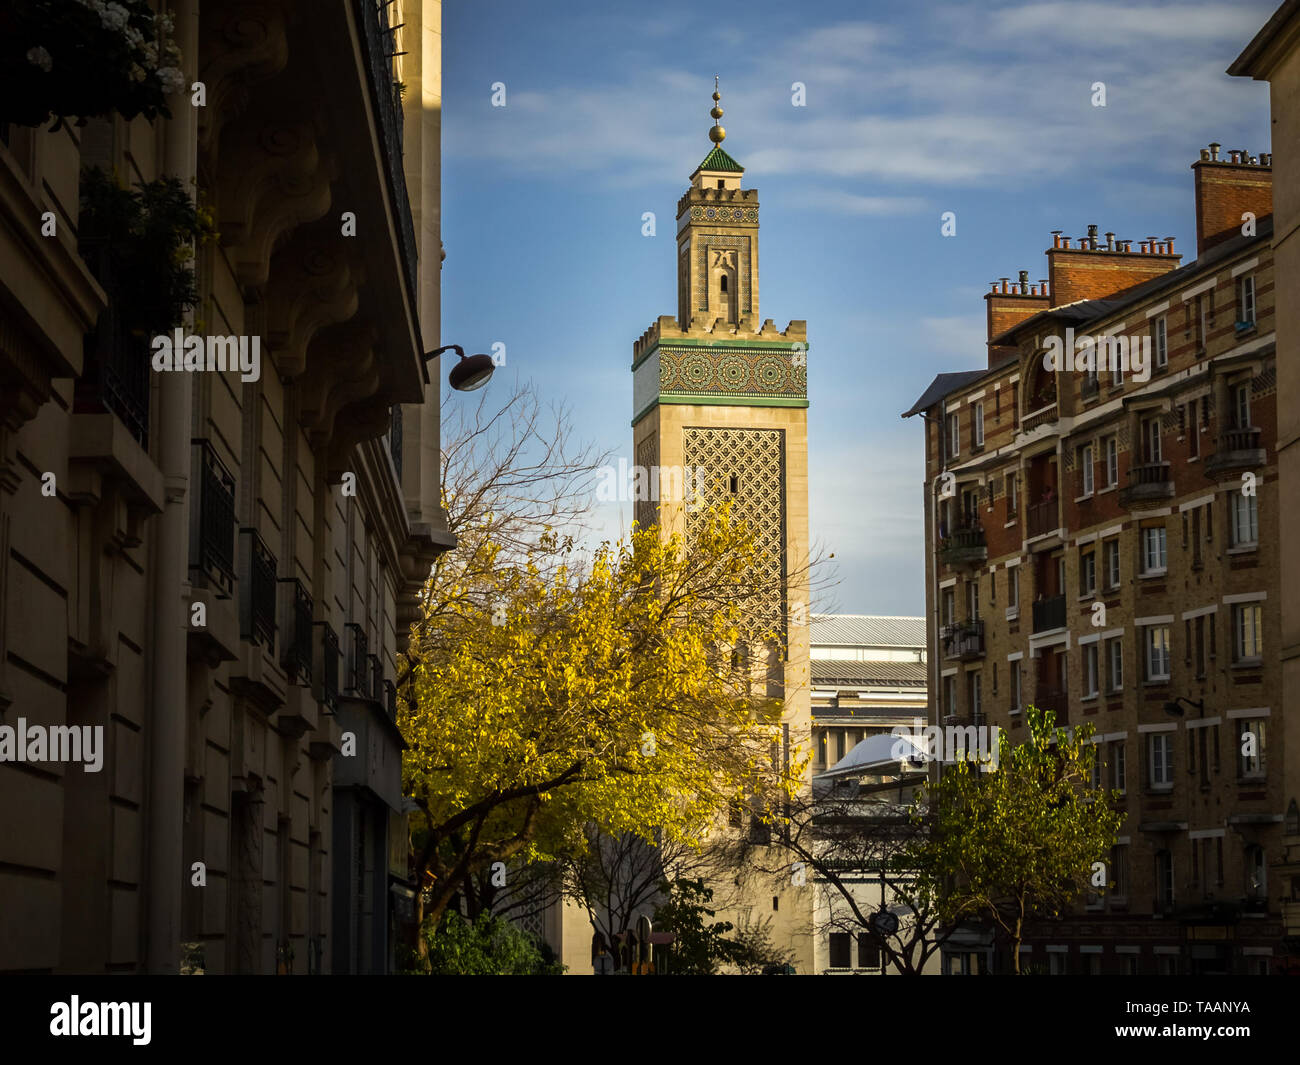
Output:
x=718 y=391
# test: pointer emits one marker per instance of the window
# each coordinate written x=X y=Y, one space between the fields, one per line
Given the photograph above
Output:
x=1085 y=470
x=1196 y=536
x=840 y=944
x=977 y=424
x=1256 y=872
x=1239 y=399
x=1087 y=573
x=976 y=697
x=1202 y=321
x=1090 y=670
x=1160 y=746
x=1245 y=302
x=1115 y=664
x=868 y=952
x=1160 y=341
x=1013 y=591
x=1247 y=627
x=993 y=587
x=1111 y=451
x=973 y=599
x=1110 y=550
x=1156 y=642
x=1150 y=427
x=1165 y=883
x=1015 y=404
x=1119 y=871
x=1250 y=747
x=1243 y=520
x=1058 y=963
x=1015 y=685
x=954 y=434
x=950 y=695
x=723 y=283
x=1116 y=373
x=1198 y=642
x=1191 y=426
x=1013 y=497
x=1154 y=550
x=1117 y=765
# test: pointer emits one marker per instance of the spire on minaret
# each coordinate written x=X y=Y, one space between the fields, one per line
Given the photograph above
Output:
x=717 y=134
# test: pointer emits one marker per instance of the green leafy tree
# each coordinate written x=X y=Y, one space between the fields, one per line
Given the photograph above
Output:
x=1023 y=840
x=700 y=944
x=486 y=946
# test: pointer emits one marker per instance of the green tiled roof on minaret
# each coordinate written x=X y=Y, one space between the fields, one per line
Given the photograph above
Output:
x=720 y=160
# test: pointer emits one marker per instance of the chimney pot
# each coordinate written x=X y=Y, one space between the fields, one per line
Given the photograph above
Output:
x=1235 y=156
x=1144 y=247
x=1205 y=155
x=1024 y=280
x=1004 y=281
x=1214 y=150
x=1110 y=241
x=1065 y=242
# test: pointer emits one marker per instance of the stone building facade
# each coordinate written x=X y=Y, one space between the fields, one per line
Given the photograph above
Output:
x=1274 y=56
x=221 y=569
x=1102 y=540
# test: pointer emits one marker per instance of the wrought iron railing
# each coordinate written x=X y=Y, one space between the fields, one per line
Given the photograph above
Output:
x=1148 y=473
x=390 y=698
x=328 y=691
x=212 y=520
x=964 y=543
x=257 y=590
x=356 y=683
x=1054 y=699
x=295 y=648
x=377 y=41
x=964 y=639
x=1049 y=613
x=376 y=678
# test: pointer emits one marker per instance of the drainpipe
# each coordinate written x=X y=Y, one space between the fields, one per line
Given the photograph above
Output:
x=167 y=866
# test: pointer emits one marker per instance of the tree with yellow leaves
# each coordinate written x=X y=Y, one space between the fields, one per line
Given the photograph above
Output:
x=552 y=697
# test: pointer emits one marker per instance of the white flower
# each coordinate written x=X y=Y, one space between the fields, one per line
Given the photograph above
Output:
x=39 y=57
x=115 y=17
x=172 y=79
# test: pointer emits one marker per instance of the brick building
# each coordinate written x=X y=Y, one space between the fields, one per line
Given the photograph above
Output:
x=1102 y=540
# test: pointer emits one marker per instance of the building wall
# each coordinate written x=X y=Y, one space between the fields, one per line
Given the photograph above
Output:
x=1206 y=576
x=216 y=751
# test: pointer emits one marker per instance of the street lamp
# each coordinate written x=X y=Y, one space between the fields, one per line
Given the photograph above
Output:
x=472 y=372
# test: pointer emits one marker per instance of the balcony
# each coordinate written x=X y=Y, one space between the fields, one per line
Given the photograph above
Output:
x=1042 y=518
x=376 y=678
x=357 y=682
x=1151 y=482
x=1049 y=614
x=256 y=590
x=1054 y=699
x=1239 y=449
x=1035 y=419
x=964 y=546
x=327 y=688
x=963 y=641
x=116 y=375
x=378 y=38
x=295 y=648
x=212 y=520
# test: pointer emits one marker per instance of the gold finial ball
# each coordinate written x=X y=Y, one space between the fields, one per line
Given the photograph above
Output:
x=717 y=134
x=717 y=96
x=716 y=112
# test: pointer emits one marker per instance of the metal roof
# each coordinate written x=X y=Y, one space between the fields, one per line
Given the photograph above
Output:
x=866 y=630
x=828 y=671
x=941 y=386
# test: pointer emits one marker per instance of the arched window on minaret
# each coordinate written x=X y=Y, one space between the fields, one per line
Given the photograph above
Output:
x=724 y=284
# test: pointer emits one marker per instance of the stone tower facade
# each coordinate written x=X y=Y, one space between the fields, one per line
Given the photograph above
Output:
x=721 y=392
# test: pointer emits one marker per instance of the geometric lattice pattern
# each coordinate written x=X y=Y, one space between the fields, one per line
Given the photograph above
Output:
x=706 y=241
x=747 y=466
x=734 y=372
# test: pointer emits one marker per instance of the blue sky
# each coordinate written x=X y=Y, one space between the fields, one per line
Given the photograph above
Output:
x=912 y=109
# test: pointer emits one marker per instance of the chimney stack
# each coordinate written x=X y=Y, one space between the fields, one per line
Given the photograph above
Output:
x=1097 y=270
x=1226 y=189
x=1008 y=304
